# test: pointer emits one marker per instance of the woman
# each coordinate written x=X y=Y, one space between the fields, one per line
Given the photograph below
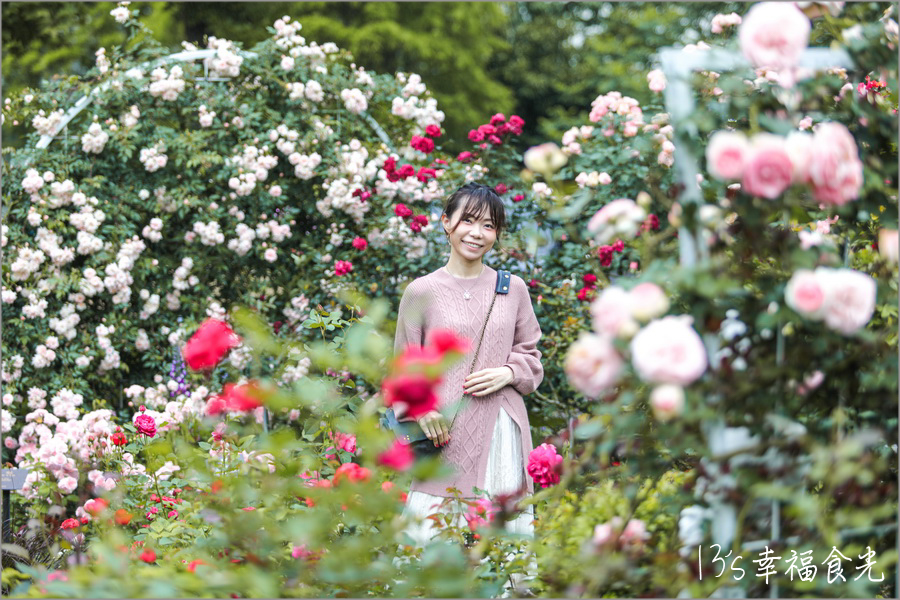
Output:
x=490 y=438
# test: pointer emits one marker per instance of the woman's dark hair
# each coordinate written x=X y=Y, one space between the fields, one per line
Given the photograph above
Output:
x=476 y=199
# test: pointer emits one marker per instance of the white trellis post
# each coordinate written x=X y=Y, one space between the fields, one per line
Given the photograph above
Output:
x=679 y=66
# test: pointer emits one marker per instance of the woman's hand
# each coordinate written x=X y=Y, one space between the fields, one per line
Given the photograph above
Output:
x=487 y=381
x=435 y=427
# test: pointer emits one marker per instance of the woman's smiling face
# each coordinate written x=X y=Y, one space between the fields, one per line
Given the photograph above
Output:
x=473 y=236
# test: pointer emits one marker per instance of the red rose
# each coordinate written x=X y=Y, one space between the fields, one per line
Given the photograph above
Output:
x=487 y=130
x=516 y=123
x=413 y=394
x=242 y=398
x=122 y=517
x=518 y=198
x=475 y=135
x=619 y=246
x=192 y=566
x=464 y=157
x=398 y=457
x=148 y=556
x=215 y=405
x=589 y=279
x=342 y=267
x=585 y=294
x=504 y=129
x=501 y=188
x=390 y=165
x=447 y=340
x=425 y=174
x=393 y=176
x=145 y=425
x=360 y=243
x=118 y=439
x=351 y=472
x=422 y=144
x=70 y=524
x=406 y=171
x=403 y=211
x=605 y=254
x=209 y=344
x=498 y=119
x=433 y=131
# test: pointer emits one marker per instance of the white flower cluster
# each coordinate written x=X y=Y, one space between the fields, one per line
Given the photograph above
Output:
x=153 y=231
x=206 y=116
x=592 y=179
x=314 y=91
x=274 y=229
x=398 y=232
x=210 y=233
x=305 y=164
x=414 y=85
x=63 y=193
x=32 y=182
x=17 y=363
x=216 y=311
x=154 y=158
x=46 y=124
x=90 y=284
x=297 y=310
x=33 y=217
x=423 y=113
x=43 y=357
x=142 y=341
x=239 y=357
x=363 y=78
x=95 y=139
x=121 y=13
x=354 y=100
x=102 y=61
x=36 y=307
x=65 y=324
x=37 y=398
x=226 y=63
x=88 y=243
x=27 y=262
x=167 y=85
x=87 y=219
x=253 y=165
x=8 y=296
x=111 y=355
x=151 y=304
x=286 y=33
x=49 y=244
x=244 y=241
x=570 y=139
x=296 y=372
x=130 y=118
x=720 y=22
x=65 y=404
x=183 y=278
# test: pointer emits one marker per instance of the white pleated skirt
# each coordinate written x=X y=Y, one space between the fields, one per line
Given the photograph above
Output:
x=505 y=474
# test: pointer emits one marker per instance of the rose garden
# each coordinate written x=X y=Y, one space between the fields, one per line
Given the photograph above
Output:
x=203 y=254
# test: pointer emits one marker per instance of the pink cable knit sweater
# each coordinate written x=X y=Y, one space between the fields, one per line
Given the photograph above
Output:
x=510 y=338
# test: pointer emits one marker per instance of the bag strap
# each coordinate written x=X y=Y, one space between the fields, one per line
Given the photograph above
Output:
x=502 y=287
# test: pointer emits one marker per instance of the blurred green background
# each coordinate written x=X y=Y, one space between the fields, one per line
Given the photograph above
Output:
x=545 y=61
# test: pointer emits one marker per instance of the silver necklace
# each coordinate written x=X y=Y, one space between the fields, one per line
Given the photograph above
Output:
x=466 y=294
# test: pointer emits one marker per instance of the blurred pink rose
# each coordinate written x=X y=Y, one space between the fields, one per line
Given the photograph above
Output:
x=667 y=401
x=835 y=171
x=611 y=313
x=593 y=365
x=606 y=534
x=768 y=170
x=634 y=534
x=399 y=457
x=68 y=484
x=656 y=80
x=668 y=350
x=345 y=441
x=648 y=301
x=888 y=245
x=545 y=465
x=620 y=218
x=480 y=514
x=805 y=295
x=726 y=154
x=799 y=147
x=774 y=34
x=849 y=299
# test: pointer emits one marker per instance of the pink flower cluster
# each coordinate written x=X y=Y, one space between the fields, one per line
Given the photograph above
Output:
x=497 y=129
x=828 y=160
x=342 y=267
x=545 y=465
x=614 y=103
x=843 y=298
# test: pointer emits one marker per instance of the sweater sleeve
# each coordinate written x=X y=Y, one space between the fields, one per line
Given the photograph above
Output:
x=524 y=357
x=410 y=318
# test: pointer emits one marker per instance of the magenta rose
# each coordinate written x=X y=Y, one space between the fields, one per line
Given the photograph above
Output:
x=774 y=34
x=768 y=170
x=725 y=155
x=668 y=350
x=545 y=465
x=835 y=171
x=593 y=365
x=145 y=425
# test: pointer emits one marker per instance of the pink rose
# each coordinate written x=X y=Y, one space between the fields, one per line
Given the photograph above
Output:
x=398 y=457
x=145 y=425
x=611 y=313
x=481 y=513
x=774 y=34
x=835 y=171
x=605 y=533
x=768 y=170
x=849 y=299
x=544 y=465
x=888 y=245
x=805 y=295
x=345 y=442
x=634 y=534
x=667 y=402
x=799 y=148
x=593 y=365
x=620 y=218
x=68 y=484
x=668 y=350
x=656 y=80
x=648 y=301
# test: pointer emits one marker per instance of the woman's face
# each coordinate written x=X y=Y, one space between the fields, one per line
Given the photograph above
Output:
x=473 y=237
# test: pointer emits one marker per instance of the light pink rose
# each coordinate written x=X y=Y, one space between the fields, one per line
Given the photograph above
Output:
x=768 y=170
x=726 y=154
x=593 y=365
x=805 y=295
x=668 y=350
x=774 y=34
x=604 y=179
x=620 y=218
x=656 y=80
x=667 y=401
x=799 y=147
x=648 y=301
x=611 y=313
x=604 y=534
x=835 y=171
x=68 y=484
x=888 y=245
x=849 y=299
x=634 y=534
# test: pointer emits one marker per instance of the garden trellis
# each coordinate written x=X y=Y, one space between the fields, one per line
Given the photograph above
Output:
x=679 y=66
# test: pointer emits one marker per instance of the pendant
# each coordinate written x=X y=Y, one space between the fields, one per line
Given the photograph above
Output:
x=467 y=296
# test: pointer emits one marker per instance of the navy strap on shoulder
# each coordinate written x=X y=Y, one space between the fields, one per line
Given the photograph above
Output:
x=503 y=282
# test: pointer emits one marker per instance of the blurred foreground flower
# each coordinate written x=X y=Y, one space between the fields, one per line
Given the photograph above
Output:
x=209 y=344
x=545 y=159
